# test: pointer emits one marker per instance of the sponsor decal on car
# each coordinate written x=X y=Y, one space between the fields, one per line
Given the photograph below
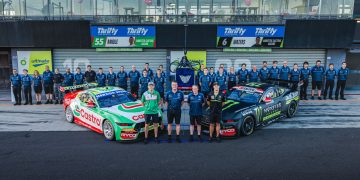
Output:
x=137 y=117
x=228 y=132
x=128 y=134
x=249 y=89
x=87 y=116
x=246 y=112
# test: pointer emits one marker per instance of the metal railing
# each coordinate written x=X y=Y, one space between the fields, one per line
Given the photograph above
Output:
x=177 y=19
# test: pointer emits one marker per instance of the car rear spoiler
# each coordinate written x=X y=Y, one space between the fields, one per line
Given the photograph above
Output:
x=66 y=88
x=285 y=83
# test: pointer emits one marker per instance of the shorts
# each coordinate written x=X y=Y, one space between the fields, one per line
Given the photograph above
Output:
x=151 y=118
x=174 y=114
x=316 y=84
x=49 y=88
x=215 y=118
x=37 y=89
x=196 y=118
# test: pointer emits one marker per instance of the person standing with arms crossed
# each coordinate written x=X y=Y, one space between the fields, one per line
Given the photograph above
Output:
x=151 y=101
x=15 y=80
x=174 y=100
x=111 y=77
x=264 y=72
x=58 y=80
x=90 y=75
x=205 y=83
x=243 y=74
x=330 y=75
x=101 y=78
x=26 y=82
x=304 y=77
x=343 y=72
x=196 y=101
x=317 y=73
x=122 y=78
x=48 y=78
x=216 y=101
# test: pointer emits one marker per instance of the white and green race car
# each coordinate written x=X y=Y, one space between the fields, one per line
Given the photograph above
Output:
x=111 y=111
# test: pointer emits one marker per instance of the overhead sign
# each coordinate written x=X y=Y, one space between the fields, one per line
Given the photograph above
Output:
x=34 y=60
x=123 y=36
x=250 y=36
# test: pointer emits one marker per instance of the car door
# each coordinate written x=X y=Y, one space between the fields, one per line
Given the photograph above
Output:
x=270 y=105
x=89 y=115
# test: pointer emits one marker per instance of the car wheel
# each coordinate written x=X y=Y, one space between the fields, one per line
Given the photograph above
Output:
x=292 y=108
x=247 y=126
x=69 y=115
x=108 y=130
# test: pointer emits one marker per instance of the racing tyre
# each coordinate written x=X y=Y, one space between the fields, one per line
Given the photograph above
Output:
x=247 y=127
x=108 y=130
x=292 y=108
x=69 y=115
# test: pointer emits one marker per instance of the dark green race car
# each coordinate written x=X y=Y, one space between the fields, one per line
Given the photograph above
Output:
x=254 y=105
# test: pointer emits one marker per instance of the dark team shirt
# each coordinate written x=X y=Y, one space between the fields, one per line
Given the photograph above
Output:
x=284 y=73
x=111 y=79
x=196 y=102
x=101 y=79
x=305 y=74
x=254 y=76
x=68 y=79
x=264 y=73
x=159 y=83
x=79 y=78
x=174 y=100
x=48 y=77
x=122 y=78
x=26 y=80
x=150 y=73
x=274 y=72
x=200 y=73
x=295 y=75
x=143 y=81
x=232 y=77
x=134 y=77
x=343 y=73
x=205 y=83
x=37 y=81
x=16 y=80
x=58 y=78
x=216 y=102
x=317 y=73
x=221 y=80
x=90 y=76
x=212 y=76
x=243 y=75
x=330 y=74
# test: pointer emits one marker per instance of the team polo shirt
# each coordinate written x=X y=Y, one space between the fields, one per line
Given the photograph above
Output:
x=174 y=100
x=151 y=102
x=196 y=102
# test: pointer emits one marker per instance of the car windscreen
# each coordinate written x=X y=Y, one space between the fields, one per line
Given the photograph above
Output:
x=112 y=99
x=246 y=96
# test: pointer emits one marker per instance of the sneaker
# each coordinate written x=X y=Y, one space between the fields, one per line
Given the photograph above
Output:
x=47 y=102
x=336 y=98
x=51 y=102
x=191 y=139
x=178 y=139
x=210 y=139
x=157 y=141
x=312 y=98
x=343 y=98
x=218 y=140
x=145 y=141
x=200 y=139
x=56 y=102
x=319 y=98
x=169 y=139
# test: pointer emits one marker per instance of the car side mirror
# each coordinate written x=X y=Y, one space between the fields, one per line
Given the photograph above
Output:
x=267 y=100
x=90 y=104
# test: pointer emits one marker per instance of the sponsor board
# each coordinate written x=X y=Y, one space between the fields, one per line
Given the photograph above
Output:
x=34 y=60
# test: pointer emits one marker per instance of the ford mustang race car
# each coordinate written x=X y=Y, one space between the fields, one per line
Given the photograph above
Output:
x=110 y=111
x=254 y=105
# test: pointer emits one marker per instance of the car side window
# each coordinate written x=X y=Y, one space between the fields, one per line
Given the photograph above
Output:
x=271 y=93
x=85 y=97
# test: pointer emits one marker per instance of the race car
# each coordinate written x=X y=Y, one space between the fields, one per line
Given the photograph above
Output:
x=253 y=105
x=110 y=111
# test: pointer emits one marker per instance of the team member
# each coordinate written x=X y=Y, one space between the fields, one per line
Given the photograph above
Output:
x=79 y=78
x=101 y=78
x=342 y=73
x=174 y=100
x=38 y=86
x=150 y=73
x=134 y=76
x=48 y=78
x=90 y=75
x=196 y=101
x=317 y=79
x=243 y=74
x=205 y=83
x=274 y=71
x=304 y=77
x=284 y=73
x=68 y=78
x=122 y=78
x=200 y=73
x=254 y=74
x=221 y=80
x=231 y=78
x=111 y=77
x=159 y=81
x=26 y=82
x=151 y=101
x=143 y=82
x=295 y=74
x=58 y=80
x=264 y=72
x=15 y=80
x=216 y=101
x=161 y=67
x=222 y=66
x=330 y=75
x=212 y=74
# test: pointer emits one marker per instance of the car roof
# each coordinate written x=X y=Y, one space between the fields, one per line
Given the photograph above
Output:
x=101 y=90
x=257 y=86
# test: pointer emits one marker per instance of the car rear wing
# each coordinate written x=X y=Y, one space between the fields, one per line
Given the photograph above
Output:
x=66 y=88
x=293 y=85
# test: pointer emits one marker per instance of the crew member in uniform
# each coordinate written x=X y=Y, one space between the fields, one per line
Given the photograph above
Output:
x=243 y=74
x=216 y=101
x=317 y=73
x=196 y=101
x=122 y=78
x=38 y=86
x=48 y=78
x=143 y=82
x=26 y=82
x=284 y=73
x=68 y=78
x=274 y=71
x=134 y=76
x=15 y=80
x=159 y=81
x=295 y=74
x=330 y=75
x=343 y=72
x=58 y=80
x=221 y=80
x=149 y=71
x=111 y=77
x=205 y=83
x=264 y=72
x=90 y=75
x=174 y=100
x=254 y=74
x=231 y=78
x=101 y=78
x=304 y=77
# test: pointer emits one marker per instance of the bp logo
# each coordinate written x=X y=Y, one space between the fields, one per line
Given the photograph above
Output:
x=23 y=62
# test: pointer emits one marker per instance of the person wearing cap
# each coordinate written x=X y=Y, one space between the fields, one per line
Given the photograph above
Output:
x=151 y=101
x=216 y=101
